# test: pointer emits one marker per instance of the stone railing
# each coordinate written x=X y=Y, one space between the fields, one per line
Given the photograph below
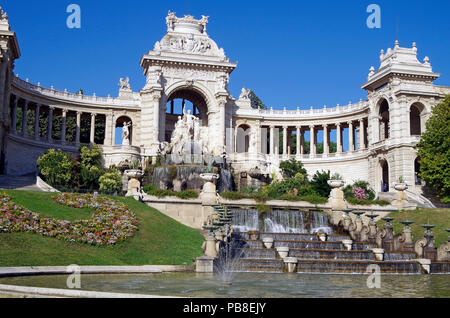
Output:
x=80 y=98
x=323 y=112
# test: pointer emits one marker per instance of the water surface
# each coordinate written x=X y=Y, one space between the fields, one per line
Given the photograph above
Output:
x=251 y=285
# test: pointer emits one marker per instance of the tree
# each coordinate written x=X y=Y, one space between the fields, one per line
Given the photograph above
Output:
x=319 y=183
x=256 y=101
x=91 y=166
x=434 y=150
x=58 y=169
x=291 y=168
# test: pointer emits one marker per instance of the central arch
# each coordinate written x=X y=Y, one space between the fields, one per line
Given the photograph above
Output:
x=181 y=100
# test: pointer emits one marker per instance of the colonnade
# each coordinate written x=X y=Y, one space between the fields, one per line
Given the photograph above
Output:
x=51 y=111
x=273 y=132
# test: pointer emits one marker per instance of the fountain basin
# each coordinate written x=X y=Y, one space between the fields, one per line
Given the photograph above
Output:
x=347 y=244
x=283 y=252
x=379 y=254
x=268 y=242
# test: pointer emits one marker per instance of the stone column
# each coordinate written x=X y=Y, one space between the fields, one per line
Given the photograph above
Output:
x=78 y=130
x=36 y=121
x=276 y=140
x=299 y=132
x=113 y=132
x=222 y=102
x=150 y=114
x=339 y=138
x=351 y=144
x=362 y=136
x=25 y=118
x=289 y=142
x=312 y=147
x=326 y=149
x=92 y=136
x=14 y=116
x=285 y=141
x=50 y=124
x=272 y=144
x=63 y=125
x=108 y=130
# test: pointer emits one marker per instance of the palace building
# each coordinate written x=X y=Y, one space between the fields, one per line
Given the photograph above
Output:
x=187 y=65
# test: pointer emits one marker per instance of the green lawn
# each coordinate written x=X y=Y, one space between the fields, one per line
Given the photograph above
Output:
x=438 y=217
x=159 y=241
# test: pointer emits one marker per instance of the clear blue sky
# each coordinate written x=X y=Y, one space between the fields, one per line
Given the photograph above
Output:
x=291 y=53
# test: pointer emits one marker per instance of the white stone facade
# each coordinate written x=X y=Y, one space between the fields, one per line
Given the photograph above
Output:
x=382 y=130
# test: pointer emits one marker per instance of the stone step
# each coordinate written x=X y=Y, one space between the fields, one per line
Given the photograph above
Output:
x=327 y=266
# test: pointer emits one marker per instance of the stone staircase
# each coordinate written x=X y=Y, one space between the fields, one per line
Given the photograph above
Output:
x=24 y=183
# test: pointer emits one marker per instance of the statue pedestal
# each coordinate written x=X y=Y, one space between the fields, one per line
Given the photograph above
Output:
x=209 y=192
x=134 y=185
x=336 y=199
x=401 y=199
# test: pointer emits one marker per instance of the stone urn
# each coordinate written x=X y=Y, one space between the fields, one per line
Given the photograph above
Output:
x=134 y=183
x=336 y=199
x=401 y=199
x=400 y=186
x=208 y=194
x=283 y=252
x=268 y=242
x=336 y=184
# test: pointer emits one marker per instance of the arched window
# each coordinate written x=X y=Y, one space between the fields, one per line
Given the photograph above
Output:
x=243 y=139
x=415 y=121
x=384 y=116
x=124 y=131
x=384 y=166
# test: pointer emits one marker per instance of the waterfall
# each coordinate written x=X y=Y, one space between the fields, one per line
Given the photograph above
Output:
x=226 y=181
x=245 y=220
x=281 y=221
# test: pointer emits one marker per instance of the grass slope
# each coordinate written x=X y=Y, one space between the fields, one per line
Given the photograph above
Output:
x=159 y=241
x=438 y=217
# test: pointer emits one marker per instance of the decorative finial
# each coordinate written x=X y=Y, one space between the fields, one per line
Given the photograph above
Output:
x=426 y=60
x=382 y=53
x=372 y=71
x=397 y=44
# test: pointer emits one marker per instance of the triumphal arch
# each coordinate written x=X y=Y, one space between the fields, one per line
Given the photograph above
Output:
x=373 y=139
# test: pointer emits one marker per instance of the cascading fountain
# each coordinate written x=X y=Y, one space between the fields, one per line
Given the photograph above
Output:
x=306 y=237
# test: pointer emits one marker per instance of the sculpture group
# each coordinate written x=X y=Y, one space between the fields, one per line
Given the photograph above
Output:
x=187 y=138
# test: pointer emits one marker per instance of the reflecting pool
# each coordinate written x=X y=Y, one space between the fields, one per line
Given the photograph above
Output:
x=251 y=285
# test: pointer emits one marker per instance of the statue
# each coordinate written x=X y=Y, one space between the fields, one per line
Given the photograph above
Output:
x=126 y=134
x=245 y=94
x=188 y=130
x=170 y=20
x=125 y=84
x=204 y=22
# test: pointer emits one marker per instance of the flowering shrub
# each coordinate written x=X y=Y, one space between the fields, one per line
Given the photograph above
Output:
x=360 y=194
x=111 y=224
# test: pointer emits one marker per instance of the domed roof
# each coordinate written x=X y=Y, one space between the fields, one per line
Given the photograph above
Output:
x=188 y=36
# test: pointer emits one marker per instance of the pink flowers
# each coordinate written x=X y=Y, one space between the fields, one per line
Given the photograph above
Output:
x=360 y=194
x=112 y=222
